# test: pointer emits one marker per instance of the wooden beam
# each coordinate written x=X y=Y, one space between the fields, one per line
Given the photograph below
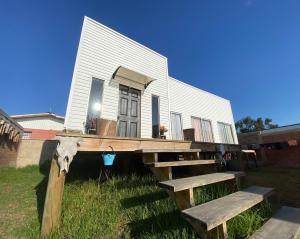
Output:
x=150 y=157
x=184 y=199
x=162 y=174
x=53 y=200
x=222 y=231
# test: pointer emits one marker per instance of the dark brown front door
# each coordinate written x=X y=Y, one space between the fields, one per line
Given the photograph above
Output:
x=129 y=119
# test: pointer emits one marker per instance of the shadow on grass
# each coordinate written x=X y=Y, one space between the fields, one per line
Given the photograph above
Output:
x=159 y=224
x=41 y=189
x=143 y=199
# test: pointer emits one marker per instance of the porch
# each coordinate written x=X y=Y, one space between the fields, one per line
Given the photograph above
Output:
x=95 y=143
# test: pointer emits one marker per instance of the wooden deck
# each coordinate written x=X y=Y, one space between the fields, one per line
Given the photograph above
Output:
x=94 y=143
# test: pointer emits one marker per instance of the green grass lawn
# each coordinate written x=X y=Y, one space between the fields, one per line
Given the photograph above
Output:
x=124 y=207
x=285 y=180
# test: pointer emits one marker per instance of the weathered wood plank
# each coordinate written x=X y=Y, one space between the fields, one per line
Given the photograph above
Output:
x=184 y=199
x=150 y=157
x=180 y=163
x=166 y=150
x=285 y=224
x=162 y=173
x=125 y=144
x=216 y=212
x=52 y=207
x=198 y=181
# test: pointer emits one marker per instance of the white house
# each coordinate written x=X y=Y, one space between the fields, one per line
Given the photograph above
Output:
x=43 y=121
x=120 y=80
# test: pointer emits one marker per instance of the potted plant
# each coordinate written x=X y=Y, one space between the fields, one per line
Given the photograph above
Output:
x=162 y=130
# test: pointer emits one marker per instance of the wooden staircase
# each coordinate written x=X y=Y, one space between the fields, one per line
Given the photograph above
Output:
x=209 y=219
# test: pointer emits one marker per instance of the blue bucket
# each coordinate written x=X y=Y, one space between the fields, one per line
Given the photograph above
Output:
x=108 y=158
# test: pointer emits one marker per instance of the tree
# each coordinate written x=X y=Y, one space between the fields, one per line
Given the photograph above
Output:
x=247 y=124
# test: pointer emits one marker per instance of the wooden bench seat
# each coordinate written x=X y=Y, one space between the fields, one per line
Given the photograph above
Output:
x=211 y=216
x=285 y=224
x=182 y=189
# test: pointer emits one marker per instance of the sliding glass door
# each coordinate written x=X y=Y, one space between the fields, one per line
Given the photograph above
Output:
x=225 y=131
x=176 y=125
x=203 y=130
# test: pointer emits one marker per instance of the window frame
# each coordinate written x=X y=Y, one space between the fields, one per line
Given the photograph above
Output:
x=181 y=123
x=89 y=96
x=205 y=119
x=231 y=130
x=158 y=104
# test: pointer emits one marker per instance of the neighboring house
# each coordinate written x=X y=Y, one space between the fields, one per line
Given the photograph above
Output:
x=41 y=125
x=10 y=138
x=280 y=145
x=124 y=88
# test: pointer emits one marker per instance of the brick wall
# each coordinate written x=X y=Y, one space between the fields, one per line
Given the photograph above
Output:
x=41 y=133
x=8 y=151
x=35 y=152
x=286 y=155
x=248 y=138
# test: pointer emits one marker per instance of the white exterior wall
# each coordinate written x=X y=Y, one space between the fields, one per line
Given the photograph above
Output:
x=46 y=123
x=191 y=101
x=101 y=51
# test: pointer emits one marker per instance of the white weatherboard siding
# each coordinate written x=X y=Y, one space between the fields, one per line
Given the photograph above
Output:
x=45 y=123
x=101 y=51
x=191 y=101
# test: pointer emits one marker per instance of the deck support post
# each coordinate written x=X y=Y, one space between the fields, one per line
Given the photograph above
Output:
x=191 y=156
x=62 y=157
x=222 y=231
x=217 y=232
x=52 y=206
x=163 y=173
x=150 y=157
x=184 y=198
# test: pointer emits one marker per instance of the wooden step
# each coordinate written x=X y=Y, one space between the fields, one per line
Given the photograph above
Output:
x=179 y=163
x=198 y=181
x=213 y=214
x=168 y=151
x=285 y=224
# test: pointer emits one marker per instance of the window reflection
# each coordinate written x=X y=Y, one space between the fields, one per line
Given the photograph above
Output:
x=95 y=105
x=155 y=116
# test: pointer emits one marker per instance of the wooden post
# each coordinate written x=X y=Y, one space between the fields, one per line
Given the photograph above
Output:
x=222 y=231
x=150 y=157
x=184 y=199
x=53 y=200
x=163 y=173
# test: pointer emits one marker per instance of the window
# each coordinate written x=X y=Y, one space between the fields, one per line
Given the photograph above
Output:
x=203 y=130
x=155 y=116
x=27 y=135
x=95 y=104
x=176 y=125
x=226 y=134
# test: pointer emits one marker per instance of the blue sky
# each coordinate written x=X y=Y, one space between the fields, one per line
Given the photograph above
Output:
x=247 y=51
